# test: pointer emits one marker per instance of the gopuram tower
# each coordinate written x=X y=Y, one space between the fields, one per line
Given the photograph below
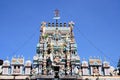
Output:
x=56 y=58
x=56 y=54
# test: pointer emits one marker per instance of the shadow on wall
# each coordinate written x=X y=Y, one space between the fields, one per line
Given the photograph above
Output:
x=1 y=62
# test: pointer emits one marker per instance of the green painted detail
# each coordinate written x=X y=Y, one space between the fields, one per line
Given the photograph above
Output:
x=16 y=62
x=95 y=63
x=63 y=60
x=77 y=61
x=57 y=47
x=45 y=36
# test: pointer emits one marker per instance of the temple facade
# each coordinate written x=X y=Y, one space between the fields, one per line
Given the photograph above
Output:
x=56 y=58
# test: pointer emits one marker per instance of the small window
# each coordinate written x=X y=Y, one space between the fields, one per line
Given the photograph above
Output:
x=14 y=67
x=74 y=52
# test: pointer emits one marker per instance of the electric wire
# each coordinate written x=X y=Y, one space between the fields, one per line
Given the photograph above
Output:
x=25 y=42
x=92 y=44
x=78 y=30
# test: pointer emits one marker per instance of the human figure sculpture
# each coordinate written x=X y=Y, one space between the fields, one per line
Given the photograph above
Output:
x=33 y=71
x=45 y=71
x=40 y=69
x=62 y=71
x=40 y=58
x=51 y=56
x=50 y=72
x=73 y=73
x=68 y=72
x=95 y=71
x=79 y=72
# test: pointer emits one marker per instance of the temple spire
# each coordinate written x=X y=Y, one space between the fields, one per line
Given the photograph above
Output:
x=56 y=16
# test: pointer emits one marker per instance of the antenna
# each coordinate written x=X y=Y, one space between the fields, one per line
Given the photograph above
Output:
x=56 y=16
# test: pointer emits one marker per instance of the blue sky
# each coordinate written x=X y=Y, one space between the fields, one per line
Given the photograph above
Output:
x=98 y=22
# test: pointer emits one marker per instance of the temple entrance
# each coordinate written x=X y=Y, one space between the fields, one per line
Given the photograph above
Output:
x=56 y=70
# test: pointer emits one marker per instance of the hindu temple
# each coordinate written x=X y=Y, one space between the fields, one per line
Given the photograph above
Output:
x=56 y=58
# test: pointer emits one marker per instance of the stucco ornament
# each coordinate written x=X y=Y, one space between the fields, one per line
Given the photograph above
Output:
x=43 y=24
x=71 y=23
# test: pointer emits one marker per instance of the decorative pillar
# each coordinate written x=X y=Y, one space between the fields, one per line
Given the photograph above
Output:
x=68 y=68
x=100 y=70
x=12 y=67
x=91 y=70
x=68 y=63
x=73 y=66
x=40 y=69
x=85 y=71
x=44 y=68
x=21 y=69
x=106 y=72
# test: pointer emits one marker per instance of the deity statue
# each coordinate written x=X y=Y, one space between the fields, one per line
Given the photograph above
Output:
x=40 y=69
x=45 y=71
x=68 y=55
x=57 y=59
x=68 y=70
x=33 y=71
x=95 y=71
x=40 y=57
x=79 y=72
x=50 y=72
x=62 y=54
x=73 y=73
x=76 y=70
x=62 y=71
